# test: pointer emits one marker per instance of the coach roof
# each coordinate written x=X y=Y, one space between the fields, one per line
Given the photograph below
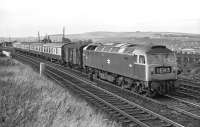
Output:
x=54 y=44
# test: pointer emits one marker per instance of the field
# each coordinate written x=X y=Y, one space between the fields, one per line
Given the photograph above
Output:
x=30 y=100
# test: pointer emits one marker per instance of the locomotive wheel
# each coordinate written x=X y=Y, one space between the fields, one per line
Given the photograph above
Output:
x=134 y=89
x=124 y=85
x=139 y=89
x=151 y=93
x=91 y=76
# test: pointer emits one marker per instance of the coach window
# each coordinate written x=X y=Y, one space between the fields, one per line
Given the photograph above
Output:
x=141 y=59
x=56 y=50
x=50 y=50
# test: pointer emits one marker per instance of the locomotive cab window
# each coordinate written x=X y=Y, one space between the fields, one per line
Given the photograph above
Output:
x=141 y=59
x=135 y=58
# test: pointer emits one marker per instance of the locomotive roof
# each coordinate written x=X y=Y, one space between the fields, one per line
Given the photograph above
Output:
x=154 y=49
x=146 y=48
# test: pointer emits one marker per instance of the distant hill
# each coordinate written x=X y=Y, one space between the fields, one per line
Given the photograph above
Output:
x=102 y=35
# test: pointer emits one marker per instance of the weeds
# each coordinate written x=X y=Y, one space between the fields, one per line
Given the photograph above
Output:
x=28 y=100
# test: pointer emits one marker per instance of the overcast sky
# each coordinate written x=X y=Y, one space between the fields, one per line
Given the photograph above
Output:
x=26 y=17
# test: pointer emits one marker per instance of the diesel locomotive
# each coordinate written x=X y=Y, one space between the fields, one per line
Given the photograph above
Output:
x=145 y=69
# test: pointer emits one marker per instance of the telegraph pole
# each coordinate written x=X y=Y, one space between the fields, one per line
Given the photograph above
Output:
x=63 y=37
x=39 y=37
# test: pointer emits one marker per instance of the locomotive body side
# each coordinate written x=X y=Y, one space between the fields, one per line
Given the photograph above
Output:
x=121 y=64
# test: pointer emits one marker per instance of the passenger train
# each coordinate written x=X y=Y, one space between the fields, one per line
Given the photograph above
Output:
x=145 y=69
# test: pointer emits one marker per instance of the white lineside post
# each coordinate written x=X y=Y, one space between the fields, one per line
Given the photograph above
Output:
x=42 y=67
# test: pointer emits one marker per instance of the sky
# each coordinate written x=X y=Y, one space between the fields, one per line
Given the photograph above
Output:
x=20 y=18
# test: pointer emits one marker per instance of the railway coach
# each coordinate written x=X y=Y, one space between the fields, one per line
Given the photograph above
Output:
x=35 y=49
x=146 y=69
x=22 y=47
x=72 y=54
x=53 y=51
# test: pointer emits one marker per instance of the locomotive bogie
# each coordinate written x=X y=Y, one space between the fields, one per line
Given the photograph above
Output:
x=163 y=86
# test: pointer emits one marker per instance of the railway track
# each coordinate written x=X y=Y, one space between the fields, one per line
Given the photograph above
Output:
x=189 y=88
x=131 y=97
x=122 y=109
x=181 y=105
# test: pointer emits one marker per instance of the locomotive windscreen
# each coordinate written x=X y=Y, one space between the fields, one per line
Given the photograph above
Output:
x=161 y=58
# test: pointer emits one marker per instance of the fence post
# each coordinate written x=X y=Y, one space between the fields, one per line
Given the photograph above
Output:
x=42 y=67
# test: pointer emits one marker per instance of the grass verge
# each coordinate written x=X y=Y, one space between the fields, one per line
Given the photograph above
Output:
x=29 y=100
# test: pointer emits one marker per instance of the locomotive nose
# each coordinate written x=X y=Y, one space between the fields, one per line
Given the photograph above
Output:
x=160 y=72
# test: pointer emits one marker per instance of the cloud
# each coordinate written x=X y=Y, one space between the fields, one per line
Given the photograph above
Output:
x=93 y=15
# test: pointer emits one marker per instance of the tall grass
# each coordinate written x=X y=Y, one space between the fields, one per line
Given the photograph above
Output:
x=29 y=100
